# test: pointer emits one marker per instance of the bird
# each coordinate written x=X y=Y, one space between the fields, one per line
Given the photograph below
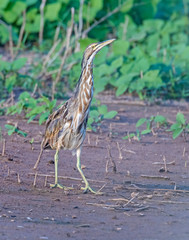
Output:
x=66 y=127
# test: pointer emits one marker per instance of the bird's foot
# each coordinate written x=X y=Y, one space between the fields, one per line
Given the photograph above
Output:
x=88 y=188
x=57 y=185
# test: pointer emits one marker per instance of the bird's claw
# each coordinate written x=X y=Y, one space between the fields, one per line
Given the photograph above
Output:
x=88 y=188
x=57 y=185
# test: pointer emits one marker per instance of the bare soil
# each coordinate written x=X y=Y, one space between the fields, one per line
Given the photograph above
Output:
x=140 y=200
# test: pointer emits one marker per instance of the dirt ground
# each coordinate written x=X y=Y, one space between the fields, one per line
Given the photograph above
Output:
x=140 y=200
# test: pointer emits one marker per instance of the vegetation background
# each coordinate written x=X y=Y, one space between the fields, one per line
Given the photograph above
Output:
x=42 y=42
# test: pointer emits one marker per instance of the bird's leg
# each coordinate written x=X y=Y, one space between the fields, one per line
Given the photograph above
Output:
x=56 y=184
x=87 y=187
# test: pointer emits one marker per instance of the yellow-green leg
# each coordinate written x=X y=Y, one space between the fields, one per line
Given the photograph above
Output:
x=87 y=187
x=56 y=174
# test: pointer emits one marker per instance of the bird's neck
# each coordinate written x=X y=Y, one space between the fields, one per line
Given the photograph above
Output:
x=84 y=89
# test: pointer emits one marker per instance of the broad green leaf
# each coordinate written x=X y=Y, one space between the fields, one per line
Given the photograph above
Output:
x=31 y=14
x=18 y=63
x=24 y=134
x=10 y=82
x=160 y=119
x=31 y=118
x=117 y=63
x=152 y=25
x=141 y=65
x=177 y=132
x=121 y=89
x=152 y=80
x=94 y=114
x=98 y=4
x=90 y=121
x=102 y=70
x=37 y=110
x=89 y=13
x=126 y=68
x=124 y=80
x=9 y=127
x=110 y=115
x=175 y=126
x=127 y=6
x=30 y=2
x=140 y=122
x=131 y=135
x=137 y=85
x=120 y=47
x=85 y=42
x=102 y=109
x=24 y=95
x=180 y=118
x=146 y=131
x=34 y=25
x=43 y=117
x=4 y=66
x=3 y=4
x=100 y=83
x=10 y=132
x=101 y=56
x=52 y=11
x=4 y=35
x=16 y=10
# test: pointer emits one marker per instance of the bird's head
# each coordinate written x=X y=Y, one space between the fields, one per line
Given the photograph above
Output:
x=92 y=50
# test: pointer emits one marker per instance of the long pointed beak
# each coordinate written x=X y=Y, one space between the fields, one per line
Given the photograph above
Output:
x=103 y=44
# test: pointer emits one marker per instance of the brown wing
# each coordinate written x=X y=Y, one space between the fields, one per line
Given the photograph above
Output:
x=54 y=124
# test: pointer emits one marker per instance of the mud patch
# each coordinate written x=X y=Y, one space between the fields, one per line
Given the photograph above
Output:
x=141 y=200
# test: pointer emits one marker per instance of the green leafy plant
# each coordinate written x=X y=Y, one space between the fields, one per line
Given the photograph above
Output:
x=151 y=125
x=11 y=76
x=32 y=107
x=149 y=58
x=181 y=126
x=14 y=129
x=97 y=114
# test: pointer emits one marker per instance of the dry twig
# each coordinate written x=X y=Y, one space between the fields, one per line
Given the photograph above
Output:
x=65 y=177
x=18 y=177
x=57 y=31
x=110 y=159
x=119 y=149
x=160 y=163
x=35 y=179
x=134 y=196
x=42 y=6
x=78 y=30
x=184 y=150
x=4 y=146
x=165 y=164
x=156 y=177
x=21 y=31
x=68 y=36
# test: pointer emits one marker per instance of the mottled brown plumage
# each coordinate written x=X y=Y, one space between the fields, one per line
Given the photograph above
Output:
x=66 y=127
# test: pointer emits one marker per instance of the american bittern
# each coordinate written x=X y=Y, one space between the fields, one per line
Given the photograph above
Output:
x=66 y=127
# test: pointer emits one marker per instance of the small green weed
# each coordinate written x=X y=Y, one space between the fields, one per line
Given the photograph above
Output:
x=14 y=129
x=155 y=122
x=181 y=126
x=97 y=114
